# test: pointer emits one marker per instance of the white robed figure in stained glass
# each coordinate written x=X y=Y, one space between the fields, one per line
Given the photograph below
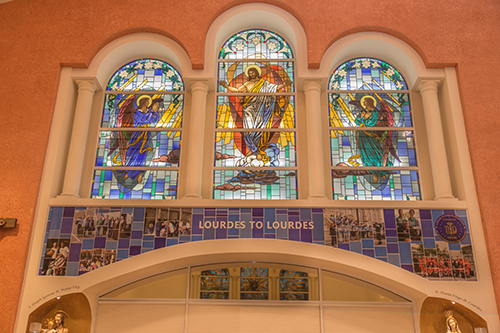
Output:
x=255 y=126
x=259 y=112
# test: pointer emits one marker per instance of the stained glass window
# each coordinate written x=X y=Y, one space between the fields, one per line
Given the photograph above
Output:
x=294 y=285
x=254 y=283
x=140 y=134
x=255 y=154
x=214 y=284
x=379 y=163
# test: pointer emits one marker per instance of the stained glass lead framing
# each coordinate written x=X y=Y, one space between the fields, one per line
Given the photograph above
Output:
x=255 y=152
x=138 y=149
x=378 y=164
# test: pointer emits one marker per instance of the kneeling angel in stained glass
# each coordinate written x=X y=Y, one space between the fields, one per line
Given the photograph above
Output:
x=380 y=162
x=139 y=141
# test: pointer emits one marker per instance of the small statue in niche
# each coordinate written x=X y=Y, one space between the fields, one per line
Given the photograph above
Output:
x=59 y=320
x=451 y=323
x=50 y=326
x=56 y=324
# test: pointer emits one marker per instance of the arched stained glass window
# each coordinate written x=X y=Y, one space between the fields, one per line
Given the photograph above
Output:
x=139 y=138
x=255 y=154
x=375 y=164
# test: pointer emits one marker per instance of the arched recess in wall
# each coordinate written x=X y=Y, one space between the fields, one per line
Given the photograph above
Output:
x=403 y=57
x=436 y=313
x=70 y=310
x=387 y=276
x=134 y=46
x=383 y=46
x=242 y=18
x=213 y=315
x=105 y=63
x=251 y=16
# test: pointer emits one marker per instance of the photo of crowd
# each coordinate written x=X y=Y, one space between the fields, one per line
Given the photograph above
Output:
x=347 y=225
x=56 y=257
x=114 y=224
x=167 y=222
x=442 y=264
x=408 y=225
x=93 y=259
x=93 y=223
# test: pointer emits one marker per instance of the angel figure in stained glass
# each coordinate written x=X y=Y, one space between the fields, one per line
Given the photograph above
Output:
x=259 y=112
x=375 y=148
x=135 y=146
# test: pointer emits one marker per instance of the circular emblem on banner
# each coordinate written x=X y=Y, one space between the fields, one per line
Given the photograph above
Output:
x=450 y=228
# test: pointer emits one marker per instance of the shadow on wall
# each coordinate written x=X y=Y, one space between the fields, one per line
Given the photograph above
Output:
x=69 y=313
x=439 y=315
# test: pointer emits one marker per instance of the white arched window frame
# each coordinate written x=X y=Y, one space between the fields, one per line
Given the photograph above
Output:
x=88 y=102
x=424 y=91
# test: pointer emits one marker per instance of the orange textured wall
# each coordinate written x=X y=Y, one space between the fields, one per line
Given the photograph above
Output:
x=38 y=37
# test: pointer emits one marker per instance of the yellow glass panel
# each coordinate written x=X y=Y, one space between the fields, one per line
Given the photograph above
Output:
x=166 y=285
x=342 y=288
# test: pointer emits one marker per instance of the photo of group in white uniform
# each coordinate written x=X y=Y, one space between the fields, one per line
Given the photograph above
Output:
x=93 y=222
x=168 y=222
x=347 y=225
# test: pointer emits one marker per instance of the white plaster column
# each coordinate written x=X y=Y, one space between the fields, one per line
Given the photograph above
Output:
x=316 y=177
x=199 y=92
x=78 y=143
x=437 y=150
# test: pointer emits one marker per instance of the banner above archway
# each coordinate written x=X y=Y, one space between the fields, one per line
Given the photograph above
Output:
x=434 y=244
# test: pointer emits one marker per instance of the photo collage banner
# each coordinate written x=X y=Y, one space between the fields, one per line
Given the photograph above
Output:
x=435 y=244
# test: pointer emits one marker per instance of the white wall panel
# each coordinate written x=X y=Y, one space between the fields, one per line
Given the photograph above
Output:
x=251 y=319
x=379 y=319
x=137 y=317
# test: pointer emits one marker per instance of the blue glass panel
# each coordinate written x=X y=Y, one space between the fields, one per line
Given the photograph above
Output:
x=255 y=184
x=366 y=73
x=375 y=185
x=146 y=74
x=256 y=43
x=134 y=185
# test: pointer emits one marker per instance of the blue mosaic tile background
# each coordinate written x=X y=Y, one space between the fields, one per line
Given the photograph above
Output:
x=83 y=245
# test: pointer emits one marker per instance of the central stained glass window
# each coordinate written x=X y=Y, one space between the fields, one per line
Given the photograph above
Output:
x=254 y=283
x=255 y=154
x=140 y=134
x=372 y=142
